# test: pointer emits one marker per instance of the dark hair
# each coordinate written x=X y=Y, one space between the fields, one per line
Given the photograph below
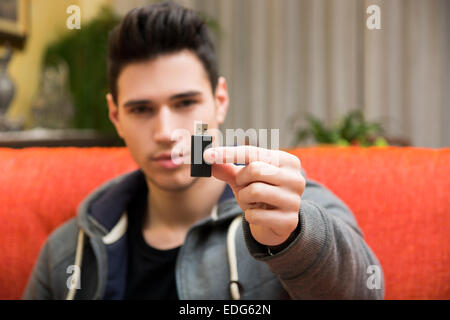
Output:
x=154 y=30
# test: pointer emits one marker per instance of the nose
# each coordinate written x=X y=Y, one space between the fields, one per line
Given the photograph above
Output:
x=163 y=126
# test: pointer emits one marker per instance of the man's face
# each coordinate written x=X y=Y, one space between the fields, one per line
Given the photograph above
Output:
x=157 y=97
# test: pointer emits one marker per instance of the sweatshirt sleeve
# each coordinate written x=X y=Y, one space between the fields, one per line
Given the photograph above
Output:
x=328 y=258
x=38 y=283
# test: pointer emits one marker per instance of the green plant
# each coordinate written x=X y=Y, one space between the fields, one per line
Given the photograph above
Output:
x=352 y=129
x=85 y=52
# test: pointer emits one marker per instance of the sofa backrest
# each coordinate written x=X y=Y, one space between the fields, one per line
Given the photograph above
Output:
x=400 y=197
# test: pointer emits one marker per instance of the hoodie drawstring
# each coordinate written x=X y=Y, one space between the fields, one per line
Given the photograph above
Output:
x=232 y=261
x=77 y=269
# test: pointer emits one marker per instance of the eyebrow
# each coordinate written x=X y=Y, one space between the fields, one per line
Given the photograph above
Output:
x=183 y=95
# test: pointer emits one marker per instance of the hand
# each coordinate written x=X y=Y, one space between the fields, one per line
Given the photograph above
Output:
x=268 y=189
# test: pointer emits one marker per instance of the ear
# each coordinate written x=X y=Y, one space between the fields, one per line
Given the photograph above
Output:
x=113 y=114
x=222 y=100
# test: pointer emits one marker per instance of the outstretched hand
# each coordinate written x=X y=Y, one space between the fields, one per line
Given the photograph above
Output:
x=268 y=189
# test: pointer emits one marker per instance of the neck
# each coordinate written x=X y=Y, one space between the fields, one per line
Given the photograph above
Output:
x=182 y=209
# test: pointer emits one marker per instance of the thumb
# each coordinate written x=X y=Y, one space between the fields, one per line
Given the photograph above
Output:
x=223 y=171
x=226 y=172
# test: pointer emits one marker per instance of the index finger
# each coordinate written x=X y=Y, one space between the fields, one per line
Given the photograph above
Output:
x=241 y=155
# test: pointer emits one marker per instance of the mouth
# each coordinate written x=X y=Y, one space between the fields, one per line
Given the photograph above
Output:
x=165 y=161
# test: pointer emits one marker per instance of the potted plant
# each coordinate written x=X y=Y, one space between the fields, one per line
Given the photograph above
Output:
x=352 y=129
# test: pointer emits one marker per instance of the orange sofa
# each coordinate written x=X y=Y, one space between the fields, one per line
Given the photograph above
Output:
x=400 y=196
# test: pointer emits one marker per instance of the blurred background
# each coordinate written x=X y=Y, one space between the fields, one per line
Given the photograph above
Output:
x=311 y=68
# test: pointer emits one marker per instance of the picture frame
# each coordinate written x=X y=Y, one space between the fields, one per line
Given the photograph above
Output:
x=14 y=22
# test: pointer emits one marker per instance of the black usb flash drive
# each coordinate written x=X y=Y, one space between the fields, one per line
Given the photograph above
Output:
x=199 y=143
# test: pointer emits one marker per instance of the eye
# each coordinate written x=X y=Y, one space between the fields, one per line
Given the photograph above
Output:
x=186 y=103
x=139 y=109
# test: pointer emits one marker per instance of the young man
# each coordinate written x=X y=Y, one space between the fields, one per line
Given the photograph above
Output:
x=158 y=233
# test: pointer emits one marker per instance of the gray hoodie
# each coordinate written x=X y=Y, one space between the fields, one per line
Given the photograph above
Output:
x=326 y=259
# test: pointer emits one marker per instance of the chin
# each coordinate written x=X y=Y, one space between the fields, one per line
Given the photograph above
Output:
x=171 y=180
